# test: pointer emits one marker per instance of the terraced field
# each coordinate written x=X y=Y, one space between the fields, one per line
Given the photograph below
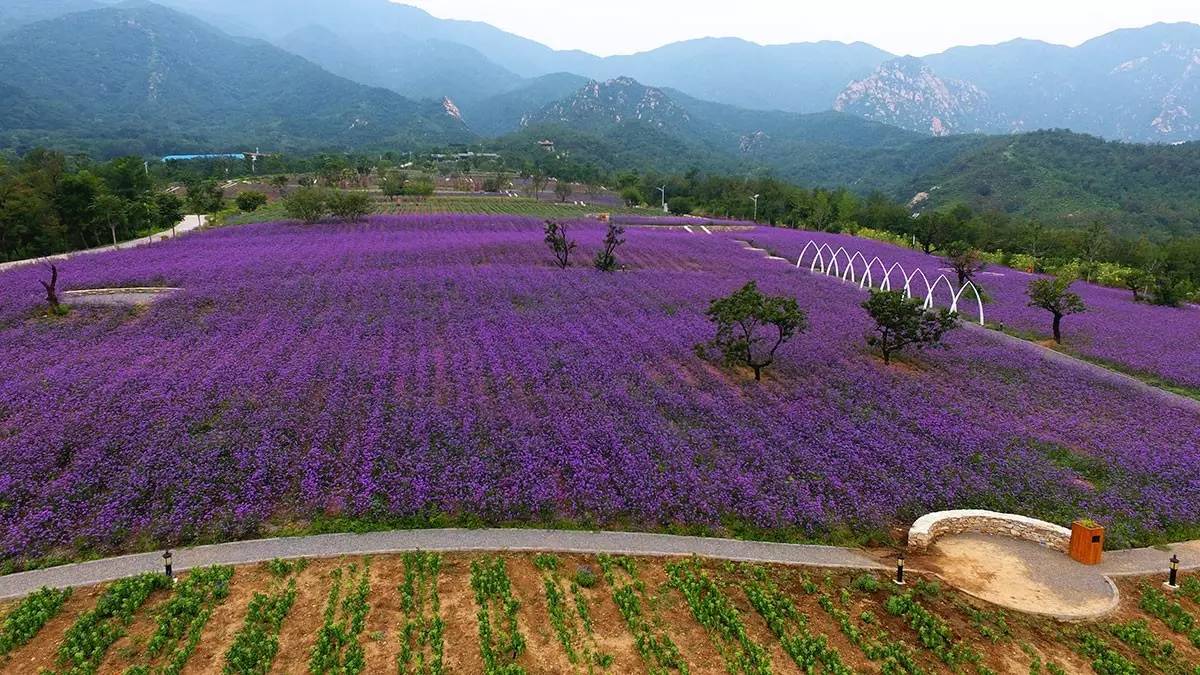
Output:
x=430 y=613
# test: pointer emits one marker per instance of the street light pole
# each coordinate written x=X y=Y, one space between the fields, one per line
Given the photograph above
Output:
x=755 y=198
x=663 y=190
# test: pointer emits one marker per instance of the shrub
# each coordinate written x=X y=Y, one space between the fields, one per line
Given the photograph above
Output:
x=586 y=577
x=308 y=204
x=349 y=206
x=250 y=201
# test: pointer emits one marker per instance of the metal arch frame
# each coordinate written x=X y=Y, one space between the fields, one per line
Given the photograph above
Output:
x=850 y=268
x=908 y=279
x=837 y=268
x=887 y=278
x=929 y=303
x=869 y=278
x=978 y=299
x=810 y=245
x=827 y=265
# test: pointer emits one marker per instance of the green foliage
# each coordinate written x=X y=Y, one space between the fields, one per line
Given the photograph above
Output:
x=716 y=613
x=418 y=187
x=307 y=204
x=932 y=632
x=681 y=206
x=393 y=183
x=500 y=640
x=422 y=644
x=1055 y=296
x=28 y=617
x=1137 y=634
x=741 y=320
x=338 y=649
x=791 y=627
x=250 y=201
x=563 y=190
x=866 y=582
x=895 y=658
x=629 y=595
x=183 y=617
x=257 y=641
x=585 y=577
x=85 y=642
x=570 y=617
x=902 y=322
x=348 y=206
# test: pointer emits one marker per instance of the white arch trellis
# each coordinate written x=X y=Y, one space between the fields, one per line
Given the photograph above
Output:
x=857 y=269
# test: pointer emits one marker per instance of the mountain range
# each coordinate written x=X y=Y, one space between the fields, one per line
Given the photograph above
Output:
x=310 y=75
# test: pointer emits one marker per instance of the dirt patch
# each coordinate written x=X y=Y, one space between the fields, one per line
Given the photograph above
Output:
x=381 y=637
x=544 y=653
x=217 y=635
x=130 y=650
x=299 y=632
x=675 y=617
x=458 y=609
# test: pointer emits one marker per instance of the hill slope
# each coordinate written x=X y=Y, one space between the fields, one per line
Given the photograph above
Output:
x=143 y=78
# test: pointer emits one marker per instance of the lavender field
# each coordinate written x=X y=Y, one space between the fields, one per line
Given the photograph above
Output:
x=439 y=369
x=1162 y=342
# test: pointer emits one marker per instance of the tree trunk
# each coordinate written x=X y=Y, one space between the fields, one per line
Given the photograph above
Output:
x=887 y=358
x=114 y=234
x=757 y=373
x=1058 y=328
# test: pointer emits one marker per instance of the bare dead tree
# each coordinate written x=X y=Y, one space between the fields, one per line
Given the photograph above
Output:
x=51 y=287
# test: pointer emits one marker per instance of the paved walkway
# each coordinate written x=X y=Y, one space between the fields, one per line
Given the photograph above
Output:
x=331 y=545
x=189 y=223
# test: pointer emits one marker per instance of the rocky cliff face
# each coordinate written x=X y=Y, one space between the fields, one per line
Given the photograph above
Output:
x=907 y=93
x=604 y=103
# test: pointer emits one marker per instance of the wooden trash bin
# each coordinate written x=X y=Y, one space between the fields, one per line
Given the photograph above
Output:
x=1087 y=542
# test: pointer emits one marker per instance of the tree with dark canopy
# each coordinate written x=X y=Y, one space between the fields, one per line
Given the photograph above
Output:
x=752 y=326
x=902 y=322
x=1055 y=296
x=965 y=260
x=556 y=239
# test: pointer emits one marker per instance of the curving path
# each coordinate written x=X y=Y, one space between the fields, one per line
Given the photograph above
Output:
x=333 y=545
x=188 y=224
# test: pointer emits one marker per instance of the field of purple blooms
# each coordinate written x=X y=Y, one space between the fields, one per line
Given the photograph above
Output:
x=438 y=369
x=1162 y=342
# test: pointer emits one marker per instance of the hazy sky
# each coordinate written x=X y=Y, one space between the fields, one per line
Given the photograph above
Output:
x=915 y=27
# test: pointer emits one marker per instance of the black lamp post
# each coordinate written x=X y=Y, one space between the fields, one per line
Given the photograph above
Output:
x=899 y=580
x=167 y=564
x=1173 y=578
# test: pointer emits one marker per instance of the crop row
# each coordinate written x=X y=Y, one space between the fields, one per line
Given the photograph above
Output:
x=181 y=619
x=790 y=626
x=500 y=639
x=24 y=621
x=655 y=646
x=86 y=641
x=422 y=635
x=338 y=650
x=713 y=609
x=257 y=642
x=570 y=616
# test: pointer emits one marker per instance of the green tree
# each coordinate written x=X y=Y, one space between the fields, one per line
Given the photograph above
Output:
x=751 y=327
x=250 y=201
x=1138 y=282
x=308 y=204
x=632 y=196
x=1055 y=296
x=392 y=184
x=902 y=322
x=556 y=239
x=280 y=183
x=965 y=260
x=563 y=190
x=348 y=206
x=169 y=209
x=73 y=199
x=112 y=211
x=127 y=178
x=681 y=206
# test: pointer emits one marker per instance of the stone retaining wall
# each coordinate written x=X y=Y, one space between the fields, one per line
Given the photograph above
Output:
x=928 y=528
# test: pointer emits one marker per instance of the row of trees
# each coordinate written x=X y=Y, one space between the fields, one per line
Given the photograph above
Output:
x=50 y=203
x=751 y=326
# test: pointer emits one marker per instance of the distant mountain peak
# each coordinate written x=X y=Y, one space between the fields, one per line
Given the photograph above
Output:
x=614 y=101
x=905 y=92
